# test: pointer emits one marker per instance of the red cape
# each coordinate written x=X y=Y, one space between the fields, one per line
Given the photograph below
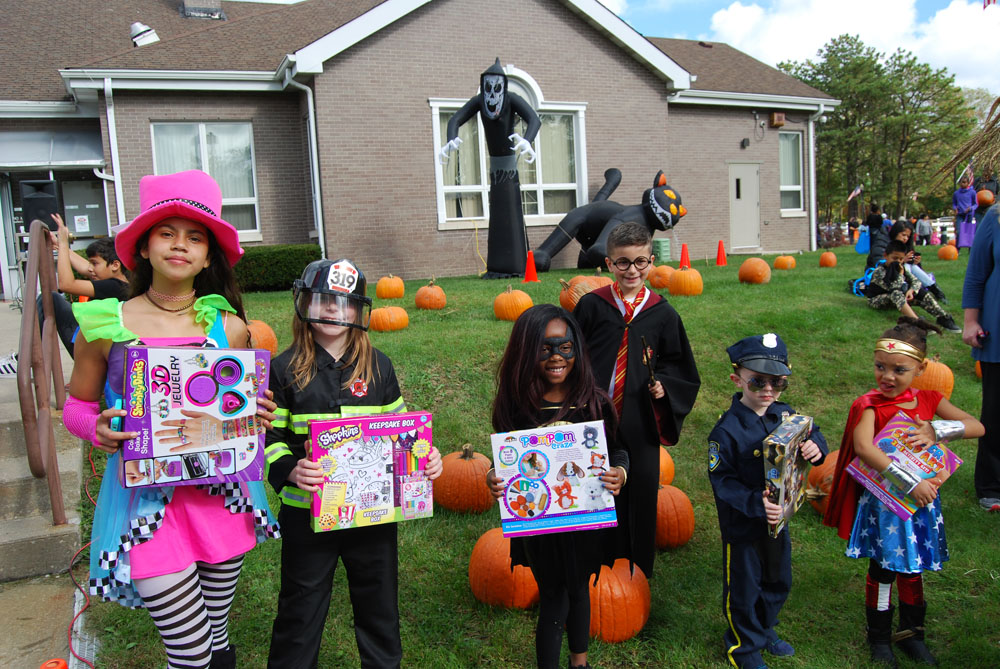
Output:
x=845 y=491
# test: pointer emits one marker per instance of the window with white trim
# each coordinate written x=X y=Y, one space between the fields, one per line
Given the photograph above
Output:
x=223 y=150
x=790 y=170
x=550 y=186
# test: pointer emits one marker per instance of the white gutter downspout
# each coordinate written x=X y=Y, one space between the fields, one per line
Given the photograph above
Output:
x=313 y=160
x=813 y=223
x=109 y=102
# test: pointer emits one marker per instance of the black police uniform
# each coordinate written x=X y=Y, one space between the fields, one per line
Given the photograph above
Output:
x=308 y=559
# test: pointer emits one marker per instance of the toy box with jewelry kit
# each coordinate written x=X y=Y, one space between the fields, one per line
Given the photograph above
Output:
x=551 y=479
x=934 y=463
x=195 y=410
x=373 y=470
x=785 y=468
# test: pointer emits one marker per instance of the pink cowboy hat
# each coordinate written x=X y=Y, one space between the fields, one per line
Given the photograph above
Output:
x=192 y=195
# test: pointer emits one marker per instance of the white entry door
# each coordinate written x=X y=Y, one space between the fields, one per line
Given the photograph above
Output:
x=744 y=206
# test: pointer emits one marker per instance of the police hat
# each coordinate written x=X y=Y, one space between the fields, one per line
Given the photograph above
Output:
x=765 y=353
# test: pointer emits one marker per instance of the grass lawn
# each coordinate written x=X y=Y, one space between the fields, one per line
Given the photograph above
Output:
x=446 y=360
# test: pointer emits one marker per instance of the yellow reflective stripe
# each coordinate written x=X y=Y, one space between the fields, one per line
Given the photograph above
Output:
x=281 y=418
x=370 y=410
x=300 y=421
x=292 y=496
x=729 y=613
x=276 y=450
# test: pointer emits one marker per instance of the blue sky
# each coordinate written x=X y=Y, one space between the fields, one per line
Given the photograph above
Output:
x=958 y=35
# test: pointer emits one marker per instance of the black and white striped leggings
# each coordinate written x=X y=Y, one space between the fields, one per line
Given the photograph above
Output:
x=191 y=610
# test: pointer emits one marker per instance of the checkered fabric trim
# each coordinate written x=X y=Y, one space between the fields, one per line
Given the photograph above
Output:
x=140 y=530
x=111 y=590
x=199 y=205
x=108 y=559
x=237 y=501
x=261 y=526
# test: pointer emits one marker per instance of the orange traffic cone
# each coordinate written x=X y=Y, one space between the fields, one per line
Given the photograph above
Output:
x=529 y=269
x=720 y=257
x=685 y=258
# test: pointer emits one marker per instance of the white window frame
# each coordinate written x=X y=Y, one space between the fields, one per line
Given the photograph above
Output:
x=800 y=189
x=244 y=235
x=524 y=85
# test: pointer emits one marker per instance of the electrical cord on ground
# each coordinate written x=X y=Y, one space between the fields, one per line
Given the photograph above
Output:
x=72 y=563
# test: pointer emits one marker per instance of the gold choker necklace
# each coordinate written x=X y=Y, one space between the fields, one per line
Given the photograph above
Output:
x=162 y=308
x=163 y=297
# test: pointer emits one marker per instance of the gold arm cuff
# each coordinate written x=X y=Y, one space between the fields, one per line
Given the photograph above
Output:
x=901 y=347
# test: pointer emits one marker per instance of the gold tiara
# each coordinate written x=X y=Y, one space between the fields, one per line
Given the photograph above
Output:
x=901 y=347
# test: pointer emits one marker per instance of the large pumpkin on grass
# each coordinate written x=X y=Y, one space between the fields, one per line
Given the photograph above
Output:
x=262 y=336
x=387 y=319
x=511 y=303
x=666 y=467
x=937 y=376
x=619 y=602
x=674 y=517
x=462 y=484
x=820 y=482
x=828 y=259
x=491 y=578
x=948 y=252
x=685 y=281
x=430 y=296
x=570 y=294
x=755 y=270
x=784 y=262
x=389 y=287
x=595 y=280
x=659 y=276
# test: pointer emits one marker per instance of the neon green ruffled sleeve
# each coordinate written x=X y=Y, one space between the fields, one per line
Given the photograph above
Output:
x=207 y=308
x=101 y=319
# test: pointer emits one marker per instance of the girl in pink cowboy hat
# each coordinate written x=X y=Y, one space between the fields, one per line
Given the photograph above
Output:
x=149 y=544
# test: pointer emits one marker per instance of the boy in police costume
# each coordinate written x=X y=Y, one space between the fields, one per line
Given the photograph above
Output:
x=757 y=569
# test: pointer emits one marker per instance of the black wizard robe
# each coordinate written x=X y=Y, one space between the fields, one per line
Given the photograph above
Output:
x=645 y=423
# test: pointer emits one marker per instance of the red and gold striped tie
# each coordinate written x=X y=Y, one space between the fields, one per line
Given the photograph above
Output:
x=621 y=360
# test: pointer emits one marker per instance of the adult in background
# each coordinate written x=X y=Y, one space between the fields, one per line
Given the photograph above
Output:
x=924 y=229
x=981 y=331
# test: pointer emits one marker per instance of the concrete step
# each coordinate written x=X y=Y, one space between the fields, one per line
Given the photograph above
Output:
x=34 y=546
x=21 y=494
x=12 y=436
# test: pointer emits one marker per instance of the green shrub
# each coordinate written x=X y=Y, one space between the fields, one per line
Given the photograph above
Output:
x=274 y=267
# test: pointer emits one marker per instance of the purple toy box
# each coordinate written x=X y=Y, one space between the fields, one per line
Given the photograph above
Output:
x=195 y=411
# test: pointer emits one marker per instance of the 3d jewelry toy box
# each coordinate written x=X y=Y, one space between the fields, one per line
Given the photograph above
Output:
x=551 y=479
x=195 y=411
x=373 y=470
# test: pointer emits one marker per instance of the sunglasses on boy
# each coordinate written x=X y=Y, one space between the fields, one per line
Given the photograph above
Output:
x=641 y=263
x=758 y=383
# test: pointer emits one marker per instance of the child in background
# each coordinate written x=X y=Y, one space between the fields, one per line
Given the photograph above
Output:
x=149 y=544
x=897 y=551
x=963 y=201
x=758 y=572
x=330 y=371
x=893 y=286
x=545 y=379
x=614 y=321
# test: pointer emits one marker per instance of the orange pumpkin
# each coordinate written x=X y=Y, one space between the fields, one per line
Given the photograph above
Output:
x=430 y=296
x=389 y=288
x=952 y=242
x=387 y=319
x=948 y=252
x=985 y=198
x=937 y=376
x=619 y=602
x=666 y=467
x=685 y=281
x=571 y=294
x=755 y=270
x=784 y=262
x=491 y=578
x=462 y=484
x=674 y=517
x=262 y=336
x=820 y=482
x=828 y=259
x=511 y=303
x=659 y=276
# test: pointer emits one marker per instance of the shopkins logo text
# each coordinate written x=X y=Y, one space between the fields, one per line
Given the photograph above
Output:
x=550 y=439
x=137 y=403
x=331 y=438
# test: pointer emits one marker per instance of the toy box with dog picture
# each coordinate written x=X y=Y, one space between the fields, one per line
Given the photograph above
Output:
x=551 y=479
x=195 y=410
x=373 y=470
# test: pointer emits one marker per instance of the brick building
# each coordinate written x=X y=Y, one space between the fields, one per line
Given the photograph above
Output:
x=321 y=120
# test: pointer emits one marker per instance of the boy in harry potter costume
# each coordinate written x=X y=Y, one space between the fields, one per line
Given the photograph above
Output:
x=651 y=406
x=757 y=569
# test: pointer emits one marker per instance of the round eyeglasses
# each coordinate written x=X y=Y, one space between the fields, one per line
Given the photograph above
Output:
x=641 y=263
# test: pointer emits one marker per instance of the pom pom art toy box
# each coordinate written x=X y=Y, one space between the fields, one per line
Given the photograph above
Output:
x=195 y=410
x=935 y=462
x=373 y=470
x=785 y=468
x=551 y=479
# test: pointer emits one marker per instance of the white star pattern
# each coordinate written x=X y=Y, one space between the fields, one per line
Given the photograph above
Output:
x=853 y=552
x=928 y=544
x=872 y=519
x=878 y=540
x=892 y=529
x=918 y=520
x=920 y=561
x=936 y=566
x=864 y=532
x=900 y=551
x=912 y=538
x=885 y=563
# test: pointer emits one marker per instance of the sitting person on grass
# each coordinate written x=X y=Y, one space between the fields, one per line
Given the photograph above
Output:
x=893 y=286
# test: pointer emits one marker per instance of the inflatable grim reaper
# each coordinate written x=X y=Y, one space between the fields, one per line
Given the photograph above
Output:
x=497 y=106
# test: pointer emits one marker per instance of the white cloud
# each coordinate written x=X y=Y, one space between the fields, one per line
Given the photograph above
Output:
x=962 y=37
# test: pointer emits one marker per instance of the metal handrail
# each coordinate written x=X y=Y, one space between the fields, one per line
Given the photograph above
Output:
x=40 y=347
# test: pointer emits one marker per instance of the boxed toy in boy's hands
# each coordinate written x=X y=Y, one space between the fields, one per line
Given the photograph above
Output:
x=785 y=468
x=373 y=470
x=551 y=479
x=195 y=410
x=935 y=463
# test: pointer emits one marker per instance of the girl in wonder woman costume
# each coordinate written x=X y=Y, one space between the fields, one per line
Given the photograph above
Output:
x=897 y=551
x=176 y=551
